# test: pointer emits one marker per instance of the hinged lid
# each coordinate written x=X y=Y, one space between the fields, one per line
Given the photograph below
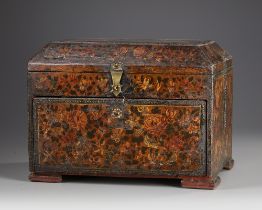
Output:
x=185 y=56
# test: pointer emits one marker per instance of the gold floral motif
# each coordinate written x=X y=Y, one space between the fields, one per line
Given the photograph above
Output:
x=116 y=135
x=42 y=83
x=133 y=122
x=149 y=142
x=176 y=142
x=150 y=55
x=139 y=51
x=193 y=128
x=172 y=160
x=70 y=137
x=155 y=124
x=140 y=108
x=84 y=83
x=60 y=115
x=95 y=115
x=171 y=114
x=171 y=86
x=159 y=57
x=123 y=50
x=138 y=132
x=143 y=109
x=158 y=86
x=145 y=83
x=116 y=113
x=44 y=127
x=186 y=117
x=77 y=119
x=103 y=83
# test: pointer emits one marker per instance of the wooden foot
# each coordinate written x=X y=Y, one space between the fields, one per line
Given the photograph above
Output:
x=45 y=178
x=200 y=182
x=229 y=164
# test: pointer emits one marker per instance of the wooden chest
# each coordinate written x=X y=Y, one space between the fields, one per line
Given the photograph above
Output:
x=131 y=109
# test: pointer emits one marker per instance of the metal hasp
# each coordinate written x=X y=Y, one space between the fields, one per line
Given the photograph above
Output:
x=116 y=71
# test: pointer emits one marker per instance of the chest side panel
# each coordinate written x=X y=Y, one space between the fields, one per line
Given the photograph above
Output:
x=123 y=137
x=221 y=150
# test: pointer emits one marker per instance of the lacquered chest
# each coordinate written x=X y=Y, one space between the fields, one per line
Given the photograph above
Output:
x=135 y=109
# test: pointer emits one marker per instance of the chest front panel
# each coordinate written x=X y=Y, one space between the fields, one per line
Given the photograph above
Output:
x=121 y=136
x=163 y=86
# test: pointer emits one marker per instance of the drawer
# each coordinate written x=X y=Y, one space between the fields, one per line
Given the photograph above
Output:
x=134 y=85
x=119 y=136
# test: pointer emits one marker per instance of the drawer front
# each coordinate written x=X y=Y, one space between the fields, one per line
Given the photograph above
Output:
x=163 y=86
x=143 y=136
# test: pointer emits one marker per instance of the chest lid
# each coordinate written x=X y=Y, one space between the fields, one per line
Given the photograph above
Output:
x=162 y=56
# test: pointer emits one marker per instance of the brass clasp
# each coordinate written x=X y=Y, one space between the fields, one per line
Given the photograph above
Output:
x=116 y=71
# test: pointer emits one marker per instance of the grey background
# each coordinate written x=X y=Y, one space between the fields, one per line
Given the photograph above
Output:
x=25 y=26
